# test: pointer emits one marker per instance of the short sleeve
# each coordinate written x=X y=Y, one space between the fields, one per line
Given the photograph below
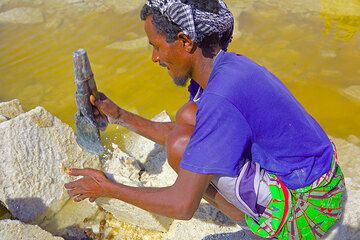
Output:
x=193 y=88
x=220 y=138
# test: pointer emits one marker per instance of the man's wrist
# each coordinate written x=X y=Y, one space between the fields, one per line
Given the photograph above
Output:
x=115 y=118
x=109 y=189
x=119 y=112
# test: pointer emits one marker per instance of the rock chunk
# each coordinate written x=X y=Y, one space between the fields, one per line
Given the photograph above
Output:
x=23 y=15
x=157 y=171
x=123 y=168
x=11 y=229
x=35 y=149
x=11 y=109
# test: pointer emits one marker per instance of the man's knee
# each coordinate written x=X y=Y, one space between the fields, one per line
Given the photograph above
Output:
x=176 y=144
x=186 y=114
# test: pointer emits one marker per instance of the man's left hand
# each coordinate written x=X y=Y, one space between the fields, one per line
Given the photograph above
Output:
x=92 y=185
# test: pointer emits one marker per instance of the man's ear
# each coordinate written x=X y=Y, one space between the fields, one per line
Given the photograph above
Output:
x=186 y=42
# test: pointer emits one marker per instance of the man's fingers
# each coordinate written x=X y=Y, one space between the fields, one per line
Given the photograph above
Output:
x=73 y=184
x=80 y=172
x=92 y=100
x=96 y=103
x=79 y=198
x=96 y=111
x=75 y=191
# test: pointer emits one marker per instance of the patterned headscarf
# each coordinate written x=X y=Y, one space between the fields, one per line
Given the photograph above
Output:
x=194 y=22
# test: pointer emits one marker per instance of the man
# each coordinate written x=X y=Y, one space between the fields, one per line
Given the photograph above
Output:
x=242 y=142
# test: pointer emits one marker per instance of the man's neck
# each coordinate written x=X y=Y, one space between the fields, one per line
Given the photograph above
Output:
x=203 y=67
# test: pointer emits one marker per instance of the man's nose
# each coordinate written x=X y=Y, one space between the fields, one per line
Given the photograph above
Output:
x=155 y=56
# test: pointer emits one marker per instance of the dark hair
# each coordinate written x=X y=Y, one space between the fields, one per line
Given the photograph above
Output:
x=170 y=29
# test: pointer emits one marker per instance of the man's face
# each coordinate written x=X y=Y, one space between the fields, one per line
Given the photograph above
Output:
x=170 y=55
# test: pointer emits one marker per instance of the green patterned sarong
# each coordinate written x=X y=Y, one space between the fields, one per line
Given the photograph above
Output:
x=304 y=213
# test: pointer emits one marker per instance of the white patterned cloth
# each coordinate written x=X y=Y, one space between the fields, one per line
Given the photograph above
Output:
x=194 y=22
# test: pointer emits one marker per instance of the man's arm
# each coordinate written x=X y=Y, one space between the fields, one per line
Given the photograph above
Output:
x=178 y=201
x=156 y=131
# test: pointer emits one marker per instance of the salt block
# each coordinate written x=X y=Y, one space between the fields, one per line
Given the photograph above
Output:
x=11 y=229
x=158 y=172
x=11 y=109
x=125 y=169
x=23 y=15
x=139 y=147
x=35 y=149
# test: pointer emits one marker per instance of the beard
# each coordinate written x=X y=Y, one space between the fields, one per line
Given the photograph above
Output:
x=180 y=81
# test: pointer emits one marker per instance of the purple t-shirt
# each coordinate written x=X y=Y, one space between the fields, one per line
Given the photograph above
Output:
x=246 y=112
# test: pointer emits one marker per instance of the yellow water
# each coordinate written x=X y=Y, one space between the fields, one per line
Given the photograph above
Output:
x=316 y=54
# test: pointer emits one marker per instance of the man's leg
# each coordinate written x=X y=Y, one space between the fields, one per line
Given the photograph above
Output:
x=175 y=147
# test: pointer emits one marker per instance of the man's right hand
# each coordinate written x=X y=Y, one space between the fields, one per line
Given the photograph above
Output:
x=105 y=110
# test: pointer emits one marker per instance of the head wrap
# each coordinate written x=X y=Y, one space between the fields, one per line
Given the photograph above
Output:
x=194 y=22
